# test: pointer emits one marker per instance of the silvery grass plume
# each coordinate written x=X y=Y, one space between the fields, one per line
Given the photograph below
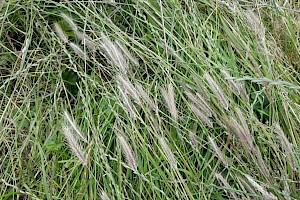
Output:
x=88 y=41
x=201 y=103
x=256 y=24
x=73 y=124
x=230 y=6
x=169 y=98
x=126 y=103
x=129 y=88
x=114 y=53
x=203 y=92
x=127 y=53
x=145 y=96
x=240 y=129
x=286 y=145
x=226 y=185
x=128 y=153
x=75 y=146
x=167 y=152
x=260 y=188
x=103 y=196
x=78 y=50
x=218 y=151
x=193 y=139
x=217 y=90
x=61 y=34
x=70 y=21
x=201 y=115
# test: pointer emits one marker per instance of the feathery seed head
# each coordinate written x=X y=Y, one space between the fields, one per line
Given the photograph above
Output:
x=130 y=89
x=114 y=53
x=193 y=139
x=70 y=21
x=103 y=196
x=127 y=53
x=74 y=145
x=128 y=153
x=168 y=153
x=60 y=33
x=204 y=118
x=73 y=124
x=200 y=102
x=237 y=129
x=226 y=184
x=126 y=103
x=86 y=40
x=145 y=96
x=78 y=50
x=217 y=90
x=260 y=188
x=169 y=98
x=218 y=151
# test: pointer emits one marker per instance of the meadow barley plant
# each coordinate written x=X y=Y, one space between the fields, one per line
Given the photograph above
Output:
x=143 y=99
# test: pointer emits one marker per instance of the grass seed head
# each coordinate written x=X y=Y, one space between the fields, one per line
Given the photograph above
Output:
x=70 y=21
x=168 y=153
x=74 y=145
x=128 y=153
x=260 y=188
x=169 y=98
x=218 y=151
x=61 y=34
x=217 y=90
x=78 y=50
x=226 y=185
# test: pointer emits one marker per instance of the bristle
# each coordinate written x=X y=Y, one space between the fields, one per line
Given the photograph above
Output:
x=130 y=89
x=72 y=122
x=60 y=33
x=217 y=90
x=200 y=102
x=169 y=98
x=145 y=96
x=226 y=185
x=127 y=103
x=128 y=153
x=168 y=153
x=127 y=53
x=260 y=188
x=86 y=40
x=74 y=145
x=70 y=21
x=104 y=196
x=218 y=151
x=115 y=54
x=201 y=115
x=78 y=50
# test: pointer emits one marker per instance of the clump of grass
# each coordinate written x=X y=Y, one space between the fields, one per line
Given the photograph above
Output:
x=232 y=96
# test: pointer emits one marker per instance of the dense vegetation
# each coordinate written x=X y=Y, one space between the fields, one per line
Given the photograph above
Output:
x=149 y=99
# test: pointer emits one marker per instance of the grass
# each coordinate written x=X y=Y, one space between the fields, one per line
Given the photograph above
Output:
x=144 y=99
